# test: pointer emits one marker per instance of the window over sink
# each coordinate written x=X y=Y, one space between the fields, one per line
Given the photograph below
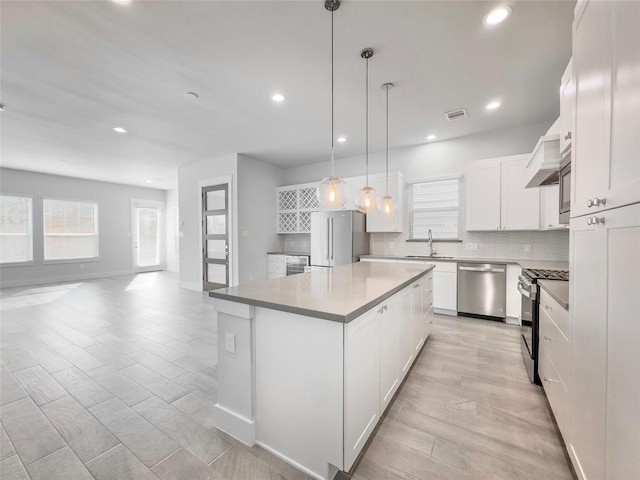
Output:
x=434 y=205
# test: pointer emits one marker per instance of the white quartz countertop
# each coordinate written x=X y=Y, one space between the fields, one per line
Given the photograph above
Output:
x=523 y=262
x=339 y=294
x=558 y=289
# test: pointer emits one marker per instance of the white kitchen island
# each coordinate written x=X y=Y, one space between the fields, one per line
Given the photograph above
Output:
x=307 y=364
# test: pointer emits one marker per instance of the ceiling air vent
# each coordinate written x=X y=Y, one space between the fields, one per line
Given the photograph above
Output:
x=456 y=114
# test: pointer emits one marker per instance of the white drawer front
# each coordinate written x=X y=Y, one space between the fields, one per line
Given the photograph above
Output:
x=277 y=258
x=277 y=267
x=559 y=315
x=556 y=391
x=558 y=347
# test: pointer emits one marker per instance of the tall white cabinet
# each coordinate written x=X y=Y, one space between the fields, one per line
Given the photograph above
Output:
x=604 y=438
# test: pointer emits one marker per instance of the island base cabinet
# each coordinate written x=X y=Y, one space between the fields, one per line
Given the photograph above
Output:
x=361 y=383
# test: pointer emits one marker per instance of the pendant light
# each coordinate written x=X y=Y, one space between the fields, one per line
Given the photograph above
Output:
x=332 y=191
x=366 y=196
x=387 y=206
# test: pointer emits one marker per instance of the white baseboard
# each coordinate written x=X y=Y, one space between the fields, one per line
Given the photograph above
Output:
x=444 y=311
x=62 y=278
x=330 y=474
x=238 y=426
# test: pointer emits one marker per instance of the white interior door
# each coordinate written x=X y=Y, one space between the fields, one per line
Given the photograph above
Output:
x=147 y=235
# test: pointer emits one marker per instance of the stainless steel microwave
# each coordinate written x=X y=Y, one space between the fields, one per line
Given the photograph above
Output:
x=565 y=191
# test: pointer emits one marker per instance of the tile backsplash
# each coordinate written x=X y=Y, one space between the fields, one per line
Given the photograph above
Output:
x=546 y=245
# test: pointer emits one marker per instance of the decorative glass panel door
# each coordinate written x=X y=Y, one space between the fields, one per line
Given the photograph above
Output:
x=215 y=236
x=147 y=237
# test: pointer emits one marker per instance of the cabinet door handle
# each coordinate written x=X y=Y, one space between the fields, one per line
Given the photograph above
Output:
x=567 y=136
x=547 y=338
x=550 y=380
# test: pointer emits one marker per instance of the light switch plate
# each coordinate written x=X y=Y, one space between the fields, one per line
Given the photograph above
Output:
x=230 y=342
x=527 y=248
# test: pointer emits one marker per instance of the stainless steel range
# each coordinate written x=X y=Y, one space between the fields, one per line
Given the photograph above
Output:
x=528 y=287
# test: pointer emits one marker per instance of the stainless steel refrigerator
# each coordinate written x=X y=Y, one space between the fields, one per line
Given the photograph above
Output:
x=338 y=237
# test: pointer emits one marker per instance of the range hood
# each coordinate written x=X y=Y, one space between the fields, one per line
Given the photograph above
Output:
x=543 y=167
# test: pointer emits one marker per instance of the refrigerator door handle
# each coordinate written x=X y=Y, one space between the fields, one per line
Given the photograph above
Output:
x=332 y=239
x=328 y=239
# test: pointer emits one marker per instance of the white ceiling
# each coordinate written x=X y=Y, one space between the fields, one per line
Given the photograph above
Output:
x=73 y=70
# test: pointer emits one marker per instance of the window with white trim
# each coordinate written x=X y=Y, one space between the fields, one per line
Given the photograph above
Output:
x=16 y=229
x=434 y=206
x=70 y=229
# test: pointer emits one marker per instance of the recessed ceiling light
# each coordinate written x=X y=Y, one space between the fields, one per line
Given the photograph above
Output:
x=277 y=97
x=122 y=2
x=497 y=15
x=431 y=137
x=119 y=130
x=148 y=181
x=342 y=139
x=2 y=108
x=493 y=105
x=191 y=95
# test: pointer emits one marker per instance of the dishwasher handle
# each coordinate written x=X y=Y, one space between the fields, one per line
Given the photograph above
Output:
x=478 y=269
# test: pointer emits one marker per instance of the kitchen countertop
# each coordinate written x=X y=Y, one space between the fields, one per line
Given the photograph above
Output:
x=289 y=253
x=524 y=263
x=339 y=294
x=559 y=291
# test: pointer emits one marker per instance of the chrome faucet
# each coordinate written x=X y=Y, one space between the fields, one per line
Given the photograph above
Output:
x=431 y=251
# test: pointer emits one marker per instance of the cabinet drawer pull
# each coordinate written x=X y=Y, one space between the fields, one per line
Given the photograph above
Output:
x=550 y=380
x=547 y=338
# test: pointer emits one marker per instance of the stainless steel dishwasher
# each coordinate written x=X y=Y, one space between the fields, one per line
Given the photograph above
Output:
x=482 y=289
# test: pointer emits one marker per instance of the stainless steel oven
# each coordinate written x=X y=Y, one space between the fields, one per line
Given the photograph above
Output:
x=296 y=263
x=529 y=289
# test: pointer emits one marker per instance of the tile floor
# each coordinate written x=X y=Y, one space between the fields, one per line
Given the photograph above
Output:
x=115 y=378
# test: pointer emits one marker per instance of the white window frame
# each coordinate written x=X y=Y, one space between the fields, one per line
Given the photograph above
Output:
x=30 y=233
x=412 y=210
x=95 y=258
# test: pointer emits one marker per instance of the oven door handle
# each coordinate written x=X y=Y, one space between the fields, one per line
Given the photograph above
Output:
x=525 y=293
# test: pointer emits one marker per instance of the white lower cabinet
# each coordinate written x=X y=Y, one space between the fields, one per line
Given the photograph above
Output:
x=362 y=382
x=555 y=360
x=445 y=287
x=380 y=347
x=276 y=266
x=514 y=297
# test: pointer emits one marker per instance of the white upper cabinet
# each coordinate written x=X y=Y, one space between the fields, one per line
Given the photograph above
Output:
x=483 y=196
x=496 y=197
x=606 y=145
x=567 y=108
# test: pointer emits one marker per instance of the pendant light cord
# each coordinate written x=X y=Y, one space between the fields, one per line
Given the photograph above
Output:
x=387 y=140
x=367 y=126
x=332 y=127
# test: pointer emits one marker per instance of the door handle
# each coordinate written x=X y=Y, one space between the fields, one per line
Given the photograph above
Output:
x=328 y=238
x=476 y=269
x=332 y=239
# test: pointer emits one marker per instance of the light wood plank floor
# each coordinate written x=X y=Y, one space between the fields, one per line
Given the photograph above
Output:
x=115 y=378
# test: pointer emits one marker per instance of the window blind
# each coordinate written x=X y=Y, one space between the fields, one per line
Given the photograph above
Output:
x=16 y=229
x=434 y=206
x=70 y=229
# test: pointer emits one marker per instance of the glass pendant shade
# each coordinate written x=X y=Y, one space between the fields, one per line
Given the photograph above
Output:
x=366 y=199
x=387 y=206
x=332 y=193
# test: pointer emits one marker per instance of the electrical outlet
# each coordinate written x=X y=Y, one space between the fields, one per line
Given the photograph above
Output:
x=304 y=244
x=471 y=246
x=392 y=245
x=527 y=248
x=230 y=342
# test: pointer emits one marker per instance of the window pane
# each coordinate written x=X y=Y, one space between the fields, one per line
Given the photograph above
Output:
x=434 y=207
x=216 y=273
x=70 y=229
x=148 y=237
x=216 y=224
x=216 y=200
x=216 y=249
x=16 y=240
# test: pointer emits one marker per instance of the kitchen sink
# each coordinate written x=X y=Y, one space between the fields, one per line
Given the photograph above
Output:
x=431 y=257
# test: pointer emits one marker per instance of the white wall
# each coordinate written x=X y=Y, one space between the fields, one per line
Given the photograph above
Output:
x=257 y=182
x=114 y=225
x=431 y=159
x=190 y=182
x=172 y=241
